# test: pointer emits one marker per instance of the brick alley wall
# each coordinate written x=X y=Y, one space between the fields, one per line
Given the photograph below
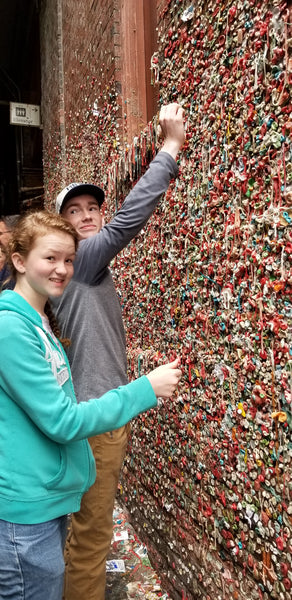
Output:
x=52 y=94
x=94 y=86
x=208 y=476
x=81 y=114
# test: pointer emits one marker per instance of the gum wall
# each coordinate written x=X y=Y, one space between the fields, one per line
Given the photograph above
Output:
x=207 y=479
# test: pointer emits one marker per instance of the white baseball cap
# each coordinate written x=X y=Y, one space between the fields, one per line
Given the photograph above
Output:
x=78 y=189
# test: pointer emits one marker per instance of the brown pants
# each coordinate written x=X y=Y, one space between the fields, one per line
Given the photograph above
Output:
x=90 y=536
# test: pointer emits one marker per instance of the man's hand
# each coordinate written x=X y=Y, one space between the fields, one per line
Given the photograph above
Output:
x=171 y=122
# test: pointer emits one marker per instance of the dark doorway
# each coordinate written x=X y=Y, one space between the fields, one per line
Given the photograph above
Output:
x=21 y=172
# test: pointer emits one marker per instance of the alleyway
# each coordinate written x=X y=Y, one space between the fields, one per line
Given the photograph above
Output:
x=130 y=574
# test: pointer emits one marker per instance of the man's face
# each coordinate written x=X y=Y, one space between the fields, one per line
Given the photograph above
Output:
x=84 y=214
x=4 y=235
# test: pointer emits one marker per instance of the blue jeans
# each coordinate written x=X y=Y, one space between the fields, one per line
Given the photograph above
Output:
x=31 y=560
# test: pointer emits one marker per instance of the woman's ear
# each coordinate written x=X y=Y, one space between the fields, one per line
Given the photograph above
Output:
x=18 y=262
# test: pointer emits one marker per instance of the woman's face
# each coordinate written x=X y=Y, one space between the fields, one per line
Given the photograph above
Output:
x=48 y=268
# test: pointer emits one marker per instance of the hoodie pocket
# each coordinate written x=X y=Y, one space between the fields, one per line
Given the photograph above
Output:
x=53 y=482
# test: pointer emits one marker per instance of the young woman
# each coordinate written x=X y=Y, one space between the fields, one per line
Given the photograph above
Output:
x=45 y=460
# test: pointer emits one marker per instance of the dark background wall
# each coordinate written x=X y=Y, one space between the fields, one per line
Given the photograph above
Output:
x=21 y=173
x=208 y=476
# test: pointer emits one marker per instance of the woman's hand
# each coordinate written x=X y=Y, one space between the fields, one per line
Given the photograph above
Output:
x=164 y=379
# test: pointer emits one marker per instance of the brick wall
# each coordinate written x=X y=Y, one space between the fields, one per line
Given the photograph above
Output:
x=52 y=95
x=81 y=113
x=95 y=85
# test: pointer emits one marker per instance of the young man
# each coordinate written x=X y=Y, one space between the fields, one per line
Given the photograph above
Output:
x=89 y=314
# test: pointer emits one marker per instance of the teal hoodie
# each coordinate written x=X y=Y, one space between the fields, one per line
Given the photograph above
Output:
x=46 y=463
